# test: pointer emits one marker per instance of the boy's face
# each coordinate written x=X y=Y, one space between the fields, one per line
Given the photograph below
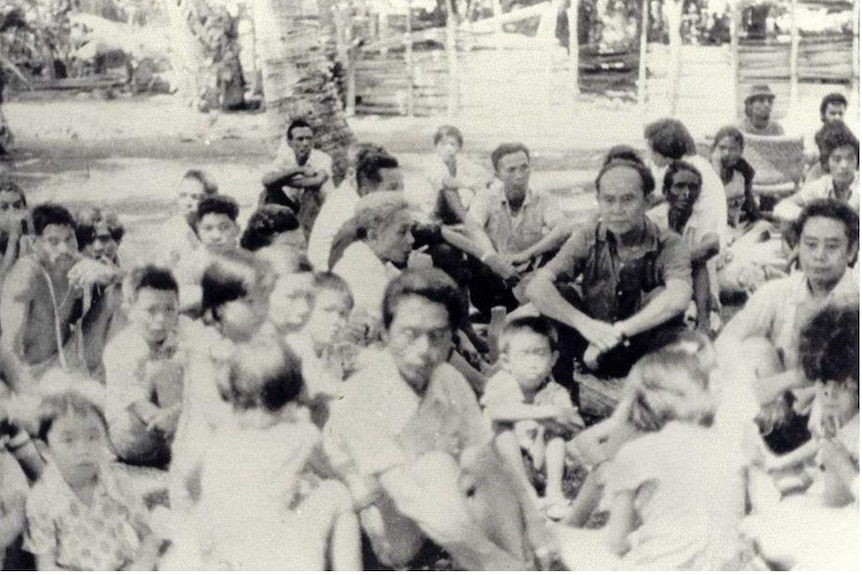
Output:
x=291 y=301
x=839 y=399
x=529 y=358
x=78 y=446
x=419 y=339
x=58 y=247
x=842 y=165
x=448 y=147
x=155 y=313
x=328 y=317
x=834 y=112
x=189 y=193
x=218 y=232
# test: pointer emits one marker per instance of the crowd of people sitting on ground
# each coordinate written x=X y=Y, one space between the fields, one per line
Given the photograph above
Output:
x=354 y=379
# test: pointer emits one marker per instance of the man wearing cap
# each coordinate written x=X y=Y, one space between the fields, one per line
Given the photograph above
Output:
x=758 y=112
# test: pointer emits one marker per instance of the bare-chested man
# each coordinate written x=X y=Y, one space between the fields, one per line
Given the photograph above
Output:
x=41 y=299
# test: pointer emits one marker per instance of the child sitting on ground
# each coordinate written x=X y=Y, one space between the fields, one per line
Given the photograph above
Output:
x=286 y=516
x=318 y=345
x=531 y=413
x=829 y=352
x=144 y=375
x=676 y=492
x=819 y=528
x=80 y=516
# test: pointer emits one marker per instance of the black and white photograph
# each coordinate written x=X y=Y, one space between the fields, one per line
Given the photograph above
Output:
x=429 y=285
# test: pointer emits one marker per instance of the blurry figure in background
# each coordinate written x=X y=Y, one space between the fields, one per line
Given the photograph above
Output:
x=291 y=301
x=99 y=235
x=143 y=373
x=302 y=176
x=758 y=113
x=839 y=157
x=177 y=236
x=15 y=226
x=454 y=180
x=287 y=515
x=235 y=291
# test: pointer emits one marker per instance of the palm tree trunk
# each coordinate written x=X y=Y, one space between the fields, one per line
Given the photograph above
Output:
x=297 y=80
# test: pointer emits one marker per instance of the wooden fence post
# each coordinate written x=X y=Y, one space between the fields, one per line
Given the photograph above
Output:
x=408 y=57
x=642 y=58
x=794 y=56
x=574 y=47
x=854 y=81
x=734 y=54
x=452 y=57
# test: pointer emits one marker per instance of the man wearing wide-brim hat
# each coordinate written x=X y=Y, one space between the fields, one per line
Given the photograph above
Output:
x=758 y=112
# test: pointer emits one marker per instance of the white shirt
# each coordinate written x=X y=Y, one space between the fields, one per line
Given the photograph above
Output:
x=285 y=158
x=367 y=276
x=337 y=209
x=820 y=189
x=175 y=240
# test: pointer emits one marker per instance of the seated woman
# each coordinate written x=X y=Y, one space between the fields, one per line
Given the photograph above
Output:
x=737 y=176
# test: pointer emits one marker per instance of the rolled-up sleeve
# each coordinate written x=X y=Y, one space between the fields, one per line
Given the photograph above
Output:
x=569 y=261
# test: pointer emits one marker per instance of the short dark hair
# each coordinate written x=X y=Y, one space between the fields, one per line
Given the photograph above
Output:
x=670 y=138
x=153 y=277
x=834 y=210
x=647 y=181
x=369 y=162
x=833 y=98
x=209 y=185
x=89 y=219
x=266 y=223
x=431 y=284
x=10 y=186
x=298 y=123
x=674 y=168
x=231 y=277
x=829 y=344
x=263 y=374
x=45 y=215
x=333 y=282
x=217 y=204
x=834 y=136
x=505 y=149
x=622 y=152
x=447 y=130
x=537 y=324
x=729 y=132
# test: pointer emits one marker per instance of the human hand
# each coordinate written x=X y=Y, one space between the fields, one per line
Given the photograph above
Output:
x=89 y=272
x=165 y=422
x=591 y=357
x=517 y=259
x=418 y=260
x=601 y=335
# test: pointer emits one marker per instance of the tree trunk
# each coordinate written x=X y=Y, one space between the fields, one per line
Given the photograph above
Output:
x=297 y=79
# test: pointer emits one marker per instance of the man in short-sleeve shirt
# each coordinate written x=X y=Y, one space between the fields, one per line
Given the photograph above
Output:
x=635 y=280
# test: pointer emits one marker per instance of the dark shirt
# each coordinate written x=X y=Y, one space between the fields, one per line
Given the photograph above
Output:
x=615 y=280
